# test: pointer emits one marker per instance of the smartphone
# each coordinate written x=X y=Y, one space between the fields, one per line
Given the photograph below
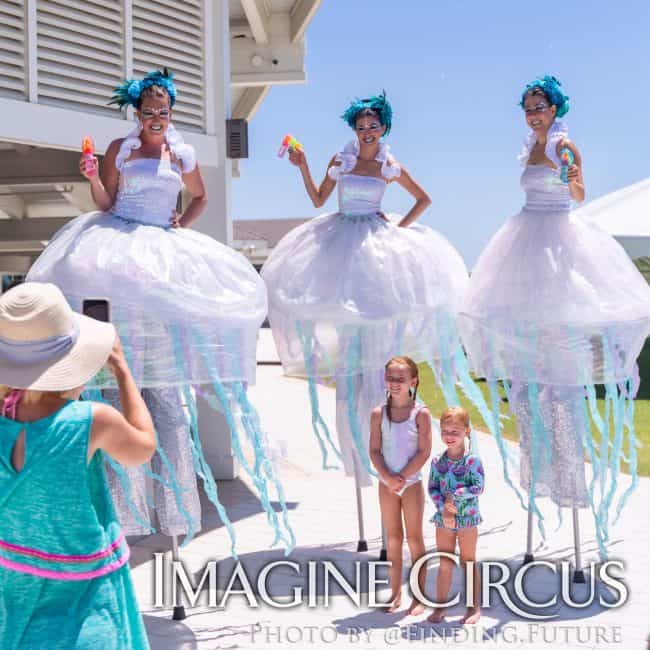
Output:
x=97 y=308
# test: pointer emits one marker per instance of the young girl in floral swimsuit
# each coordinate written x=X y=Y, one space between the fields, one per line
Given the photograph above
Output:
x=455 y=483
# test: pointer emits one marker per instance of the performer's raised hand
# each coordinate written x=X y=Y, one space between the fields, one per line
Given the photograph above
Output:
x=89 y=167
x=297 y=157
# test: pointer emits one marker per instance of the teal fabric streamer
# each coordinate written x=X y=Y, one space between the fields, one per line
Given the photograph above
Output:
x=317 y=421
x=257 y=473
x=251 y=421
x=201 y=466
x=353 y=362
x=204 y=472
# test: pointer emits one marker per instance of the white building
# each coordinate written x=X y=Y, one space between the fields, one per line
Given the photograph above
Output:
x=59 y=63
x=256 y=238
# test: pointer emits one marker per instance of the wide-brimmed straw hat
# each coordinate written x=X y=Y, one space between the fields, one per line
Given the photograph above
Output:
x=46 y=346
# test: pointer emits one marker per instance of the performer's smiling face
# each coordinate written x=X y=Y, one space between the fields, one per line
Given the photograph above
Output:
x=369 y=128
x=539 y=112
x=155 y=114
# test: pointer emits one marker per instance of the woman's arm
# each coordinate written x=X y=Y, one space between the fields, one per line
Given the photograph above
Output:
x=194 y=185
x=576 y=181
x=318 y=195
x=422 y=199
x=103 y=185
x=129 y=437
x=423 y=422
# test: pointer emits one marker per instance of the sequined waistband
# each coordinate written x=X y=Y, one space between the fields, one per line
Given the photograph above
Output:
x=362 y=216
x=140 y=222
x=551 y=207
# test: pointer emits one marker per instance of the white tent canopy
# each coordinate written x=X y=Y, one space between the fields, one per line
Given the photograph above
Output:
x=625 y=214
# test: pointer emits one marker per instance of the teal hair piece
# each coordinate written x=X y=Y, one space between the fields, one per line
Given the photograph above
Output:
x=377 y=103
x=552 y=89
x=129 y=92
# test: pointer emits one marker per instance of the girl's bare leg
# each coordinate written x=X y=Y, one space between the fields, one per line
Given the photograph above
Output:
x=413 y=508
x=445 y=543
x=391 y=516
x=467 y=539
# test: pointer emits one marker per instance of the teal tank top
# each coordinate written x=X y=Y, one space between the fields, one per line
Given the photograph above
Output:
x=55 y=524
x=64 y=577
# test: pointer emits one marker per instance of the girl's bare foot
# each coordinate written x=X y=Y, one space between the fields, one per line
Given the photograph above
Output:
x=415 y=608
x=392 y=606
x=437 y=615
x=472 y=616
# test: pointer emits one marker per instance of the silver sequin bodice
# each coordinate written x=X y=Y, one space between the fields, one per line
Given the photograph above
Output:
x=544 y=189
x=148 y=191
x=359 y=195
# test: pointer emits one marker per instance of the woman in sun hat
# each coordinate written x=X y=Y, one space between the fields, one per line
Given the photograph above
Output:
x=64 y=574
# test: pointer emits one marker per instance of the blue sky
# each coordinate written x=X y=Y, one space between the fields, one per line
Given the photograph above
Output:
x=453 y=71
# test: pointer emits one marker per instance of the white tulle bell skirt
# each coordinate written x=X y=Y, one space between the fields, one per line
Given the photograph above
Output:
x=556 y=300
x=187 y=307
x=348 y=292
x=555 y=307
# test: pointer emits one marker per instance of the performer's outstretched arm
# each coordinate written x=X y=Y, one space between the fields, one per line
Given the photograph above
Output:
x=318 y=195
x=103 y=184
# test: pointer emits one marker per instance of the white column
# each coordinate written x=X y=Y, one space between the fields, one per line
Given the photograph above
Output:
x=216 y=221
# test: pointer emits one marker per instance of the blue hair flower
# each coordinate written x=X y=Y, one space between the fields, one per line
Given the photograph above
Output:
x=552 y=89
x=377 y=103
x=134 y=90
x=129 y=92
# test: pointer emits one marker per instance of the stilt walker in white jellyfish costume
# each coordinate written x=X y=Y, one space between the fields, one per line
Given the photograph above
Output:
x=350 y=289
x=187 y=308
x=554 y=308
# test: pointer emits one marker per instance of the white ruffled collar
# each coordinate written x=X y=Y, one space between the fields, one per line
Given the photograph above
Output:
x=558 y=131
x=348 y=160
x=183 y=152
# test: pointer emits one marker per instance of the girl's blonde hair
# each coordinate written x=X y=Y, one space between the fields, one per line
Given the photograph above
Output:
x=456 y=413
x=415 y=374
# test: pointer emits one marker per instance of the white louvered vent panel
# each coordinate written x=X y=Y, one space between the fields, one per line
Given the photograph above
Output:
x=80 y=53
x=170 y=33
x=13 y=78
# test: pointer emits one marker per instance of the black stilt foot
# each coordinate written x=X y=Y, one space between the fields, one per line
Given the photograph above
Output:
x=579 y=577
x=362 y=546
x=528 y=558
x=383 y=555
x=179 y=613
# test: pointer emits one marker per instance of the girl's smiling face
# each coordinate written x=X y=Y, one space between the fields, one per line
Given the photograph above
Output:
x=453 y=434
x=399 y=380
